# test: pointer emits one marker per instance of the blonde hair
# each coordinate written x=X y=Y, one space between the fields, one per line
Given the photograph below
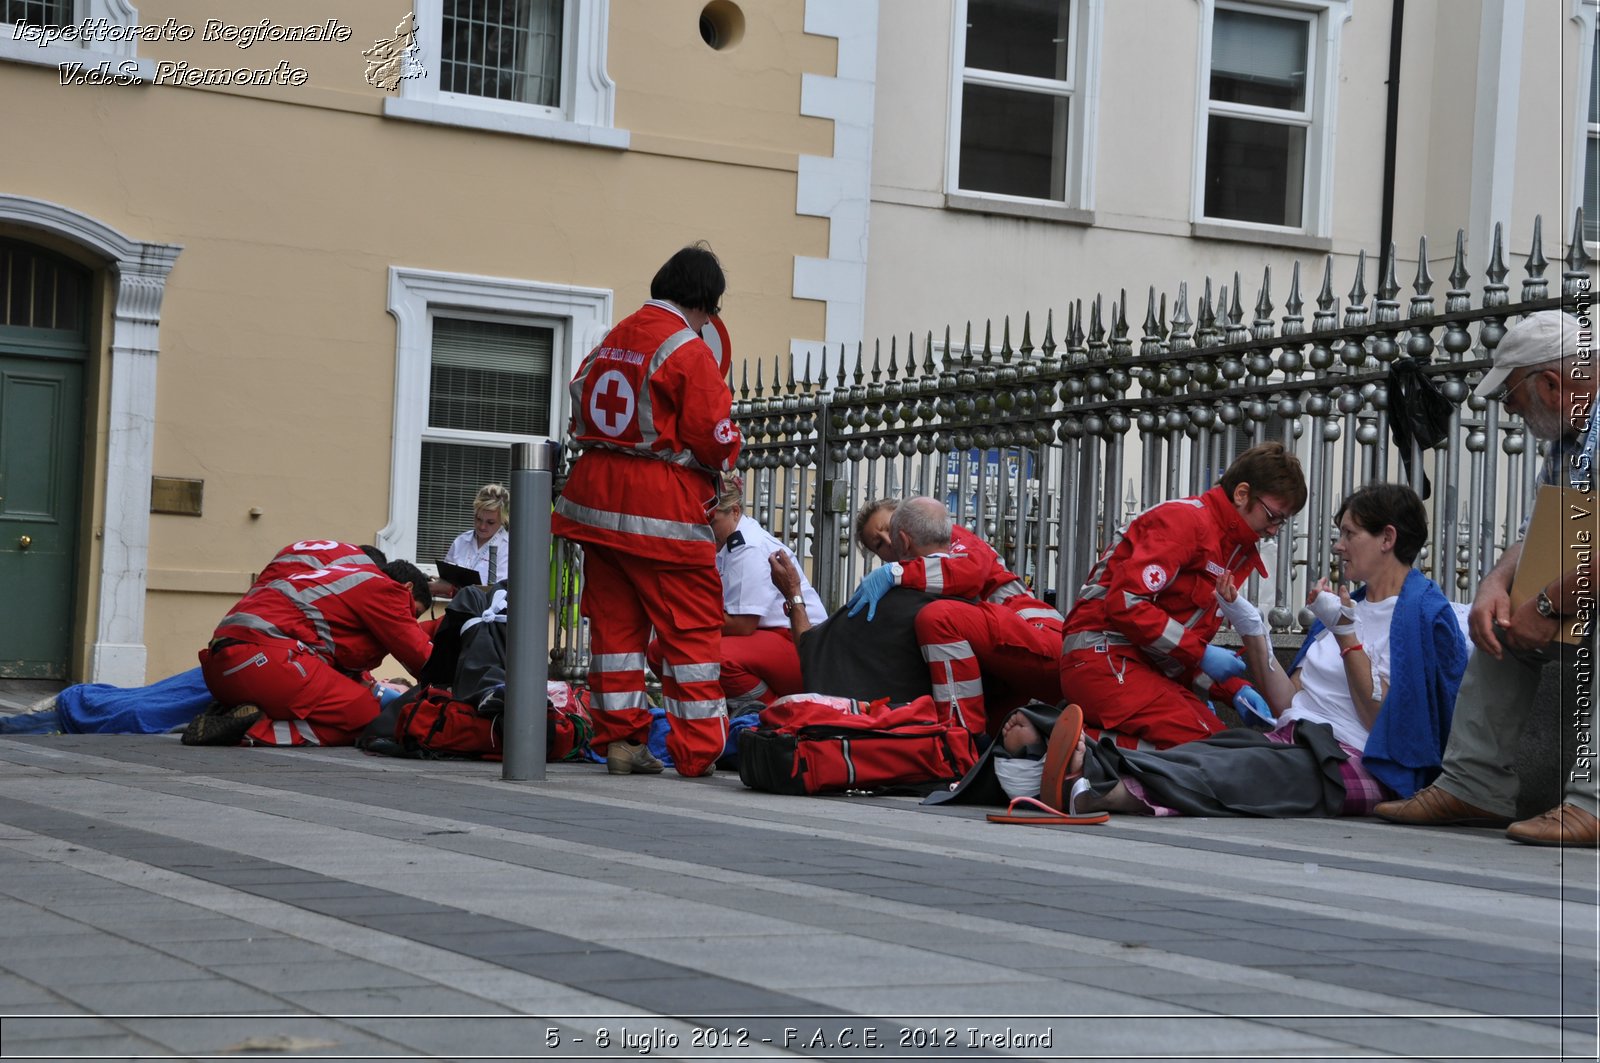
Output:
x=497 y=498
x=730 y=490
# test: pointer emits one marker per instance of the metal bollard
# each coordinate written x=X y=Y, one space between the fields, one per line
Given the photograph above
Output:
x=528 y=611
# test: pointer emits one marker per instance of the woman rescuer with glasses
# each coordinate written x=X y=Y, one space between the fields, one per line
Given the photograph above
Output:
x=1137 y=655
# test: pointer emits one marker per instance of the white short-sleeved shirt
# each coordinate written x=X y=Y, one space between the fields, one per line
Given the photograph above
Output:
x=1324 y=695
x=466 y=552
x=747 y=577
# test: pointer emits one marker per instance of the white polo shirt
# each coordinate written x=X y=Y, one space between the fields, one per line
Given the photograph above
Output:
x=747 y=577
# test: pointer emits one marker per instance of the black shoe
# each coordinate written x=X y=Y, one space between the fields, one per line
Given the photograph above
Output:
x=221 y=725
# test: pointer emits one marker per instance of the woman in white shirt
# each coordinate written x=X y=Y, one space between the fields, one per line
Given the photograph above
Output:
x=1362 y=713
x=491 y=522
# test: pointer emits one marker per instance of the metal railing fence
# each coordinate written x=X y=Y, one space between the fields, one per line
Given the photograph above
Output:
x=1046 y=449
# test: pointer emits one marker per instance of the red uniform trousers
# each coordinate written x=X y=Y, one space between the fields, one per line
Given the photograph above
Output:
x=761 y=666
x=624 y=595
x=304 y=700
x=1119 y=690
x=970 y=644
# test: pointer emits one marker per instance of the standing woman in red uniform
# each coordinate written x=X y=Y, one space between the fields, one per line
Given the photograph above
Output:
x=651 y=414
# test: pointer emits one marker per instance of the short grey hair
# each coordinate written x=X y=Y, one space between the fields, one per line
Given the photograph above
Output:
x=924 y=521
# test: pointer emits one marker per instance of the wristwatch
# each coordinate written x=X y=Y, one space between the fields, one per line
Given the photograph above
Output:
x=798 y=601
x=1546 y=607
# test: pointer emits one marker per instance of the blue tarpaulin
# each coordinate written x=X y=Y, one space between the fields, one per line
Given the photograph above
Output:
x=99 y=708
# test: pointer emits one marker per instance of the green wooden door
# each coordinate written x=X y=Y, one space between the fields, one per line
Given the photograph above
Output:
x=42 y=353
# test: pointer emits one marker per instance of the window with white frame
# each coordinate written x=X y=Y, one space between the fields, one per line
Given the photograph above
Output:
x=56 y=32
x=490 y=385
x=481 y=363
x=1019 y=116
x=1267 y=108
x=528 y=67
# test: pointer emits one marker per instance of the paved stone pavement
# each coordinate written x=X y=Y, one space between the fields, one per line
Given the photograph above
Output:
x=164 y=902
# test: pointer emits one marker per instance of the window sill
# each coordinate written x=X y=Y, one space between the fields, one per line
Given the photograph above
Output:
x=125 y=68
x=1208 y=230
x=494 y=121
x=1019 y=208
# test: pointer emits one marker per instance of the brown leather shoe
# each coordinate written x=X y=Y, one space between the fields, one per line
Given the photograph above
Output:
x=1433 y=807
x=1566 y=825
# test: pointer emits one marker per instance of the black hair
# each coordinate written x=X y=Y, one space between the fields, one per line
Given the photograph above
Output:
x=378 y=557
x=410 y=575
x=1377 y=506
x=692 y=278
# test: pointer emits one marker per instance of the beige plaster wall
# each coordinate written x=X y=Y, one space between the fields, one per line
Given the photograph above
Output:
x=276 y=378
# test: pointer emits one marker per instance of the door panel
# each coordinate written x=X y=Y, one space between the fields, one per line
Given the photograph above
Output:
x=41 y=410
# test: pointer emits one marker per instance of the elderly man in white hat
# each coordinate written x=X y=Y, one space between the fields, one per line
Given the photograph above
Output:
x=1544 y=371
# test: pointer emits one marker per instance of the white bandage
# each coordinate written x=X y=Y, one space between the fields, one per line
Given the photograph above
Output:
x=1245 y=617
x=1333 y=613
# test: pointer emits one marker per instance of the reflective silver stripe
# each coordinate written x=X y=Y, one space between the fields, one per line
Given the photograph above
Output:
x=307 y=733
x=628 y=524
x=1088 y=640
x=281 y=735
x=253 y=623
x=1171 y=635
x=647 y=418
x=1046 y=613
x=849 y=761
x=305 y=598
x=311 y=561
x=754 y=692
x=619 y=701
x=1091 y=591
x=580 y=427
x=693 y=673
x=617 y=662
x=693 y=710
x=958 y=688
x=1007 y=591
x=947 y=651
x=933 y=575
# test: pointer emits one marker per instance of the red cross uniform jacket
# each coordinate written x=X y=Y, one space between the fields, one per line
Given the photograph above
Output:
x=1154 y=589
x=350 y=616
x=652 y=416
x=973 y=569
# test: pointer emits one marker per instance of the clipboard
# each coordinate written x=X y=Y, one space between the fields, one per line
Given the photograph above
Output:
x=1562 y=535
x=457 y=576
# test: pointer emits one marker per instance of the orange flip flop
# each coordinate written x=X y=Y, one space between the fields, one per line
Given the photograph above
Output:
x=1055 y=785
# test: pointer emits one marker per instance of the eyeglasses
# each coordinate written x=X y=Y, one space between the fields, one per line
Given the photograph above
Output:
x=1505 y=393
x=1273 y=516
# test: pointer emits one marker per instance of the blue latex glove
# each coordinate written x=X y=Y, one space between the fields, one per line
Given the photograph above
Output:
x=1221 y=664
x=867 y=596
x=1248 y=702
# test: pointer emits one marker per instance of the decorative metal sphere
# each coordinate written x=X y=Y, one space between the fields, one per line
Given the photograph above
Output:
x=1382 y=347
x=1380 y=398
x=837 y=418
x=925 y=445
x=1178 y=376
x=1306 y=618
x=873 y=449
x=908 y=446
x=982 y=440
x=1229 y=413
x=1257 y=410
x=1232 y=369
x=1146 y=376
x=1321 y=358
x=1367 y=434
x=1331 y=431
x=1206 y=373
x=1069 y=429
x=1279 y=617
x=1116 y=422
x=1318 y=405
x=873 y=416
x=1094 y=424
x=1352 y=353
x=1514 y=442
x=962 y=440
x=1147 y=420
x=1072 y=388
x=1120 y=380
x=1291 y=361
x=856 y=418
x=1096 y=384
x=1288 y=406
x=1490 y=334
x=1477 y=440
x=1192 y=431
x=1454 y=389
x=786 y=458
x=1419 y=345
x=964 y=407
x=1042 y=433
x=1260 y=364
x=1174 y=420
x=836 y=452
x=853 y=451
x=1351 y=402
x=1475 y=404
x=1202 y=416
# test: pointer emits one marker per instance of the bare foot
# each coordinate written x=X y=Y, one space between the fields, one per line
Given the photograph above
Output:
x=1018 y=733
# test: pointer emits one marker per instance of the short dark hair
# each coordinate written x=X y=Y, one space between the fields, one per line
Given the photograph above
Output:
x=1269 y=469
x=1377 y=506
x=377 y=556
x=410 y=575
x=692 y=278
